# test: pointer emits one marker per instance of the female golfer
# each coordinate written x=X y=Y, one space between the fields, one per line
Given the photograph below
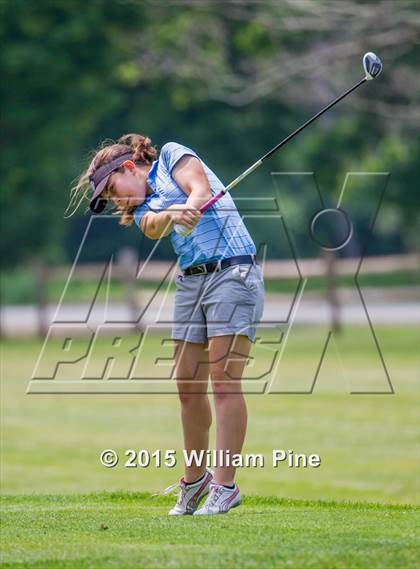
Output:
x=219 y=294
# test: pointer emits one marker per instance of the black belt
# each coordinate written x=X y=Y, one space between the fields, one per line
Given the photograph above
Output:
x=213 y=266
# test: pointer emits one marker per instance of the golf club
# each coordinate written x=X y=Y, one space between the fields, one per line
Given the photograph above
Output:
x=372 y=66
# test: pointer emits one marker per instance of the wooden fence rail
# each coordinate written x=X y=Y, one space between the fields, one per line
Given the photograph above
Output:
x=125 y=267
x=273 y=269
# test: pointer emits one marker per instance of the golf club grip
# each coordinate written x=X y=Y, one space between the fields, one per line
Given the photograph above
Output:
x=211 y=201
x=181 y=230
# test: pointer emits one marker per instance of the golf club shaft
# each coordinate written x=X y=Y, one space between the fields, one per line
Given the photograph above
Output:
x=258 y=163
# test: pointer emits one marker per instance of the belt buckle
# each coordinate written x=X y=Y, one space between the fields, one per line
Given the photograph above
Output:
x=200 y=269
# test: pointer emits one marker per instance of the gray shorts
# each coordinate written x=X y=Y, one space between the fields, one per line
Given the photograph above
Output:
x=222 y=303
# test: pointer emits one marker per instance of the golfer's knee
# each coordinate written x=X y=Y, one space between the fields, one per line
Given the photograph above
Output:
x=224 y=390
x=185 y=398
x=189 y=398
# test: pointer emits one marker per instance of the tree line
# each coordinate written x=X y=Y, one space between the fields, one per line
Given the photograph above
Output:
x=228 y=79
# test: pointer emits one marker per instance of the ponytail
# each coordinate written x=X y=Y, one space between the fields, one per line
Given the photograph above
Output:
x=141 y=146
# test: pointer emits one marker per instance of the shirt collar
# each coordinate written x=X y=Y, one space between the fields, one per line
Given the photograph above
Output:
x=151 y=177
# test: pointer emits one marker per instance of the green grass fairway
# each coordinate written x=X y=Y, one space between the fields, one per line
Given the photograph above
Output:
x=358 y=509
x=368 y=443
x=123 y=530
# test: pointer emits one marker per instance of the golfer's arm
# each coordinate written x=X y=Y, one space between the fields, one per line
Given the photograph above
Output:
x=190 y=176
x=156 y=225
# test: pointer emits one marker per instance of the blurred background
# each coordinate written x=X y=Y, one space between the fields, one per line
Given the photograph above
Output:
x=230 y=80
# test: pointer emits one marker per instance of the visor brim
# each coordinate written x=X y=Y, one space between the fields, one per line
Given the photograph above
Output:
x=97 y=203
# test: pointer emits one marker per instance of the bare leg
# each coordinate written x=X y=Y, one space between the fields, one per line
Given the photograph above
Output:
x=192 y=373
x=228 y=356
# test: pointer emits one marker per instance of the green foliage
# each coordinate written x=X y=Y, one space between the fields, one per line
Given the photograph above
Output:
x=229 y=83
x=61 y=62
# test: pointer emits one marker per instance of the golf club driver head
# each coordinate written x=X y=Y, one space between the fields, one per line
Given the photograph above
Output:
x=372 y=65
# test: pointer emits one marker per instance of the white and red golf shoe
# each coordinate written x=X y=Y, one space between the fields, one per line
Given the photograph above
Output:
x=220 y=500
x=190 y=495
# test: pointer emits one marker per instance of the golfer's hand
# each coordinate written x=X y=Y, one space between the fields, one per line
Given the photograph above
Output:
x=185 y=215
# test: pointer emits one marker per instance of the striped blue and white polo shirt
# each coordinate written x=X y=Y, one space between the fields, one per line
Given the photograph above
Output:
x=219 y=234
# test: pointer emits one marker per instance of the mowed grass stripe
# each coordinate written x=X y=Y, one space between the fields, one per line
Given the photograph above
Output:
x=148 y=499
x=133 y=530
